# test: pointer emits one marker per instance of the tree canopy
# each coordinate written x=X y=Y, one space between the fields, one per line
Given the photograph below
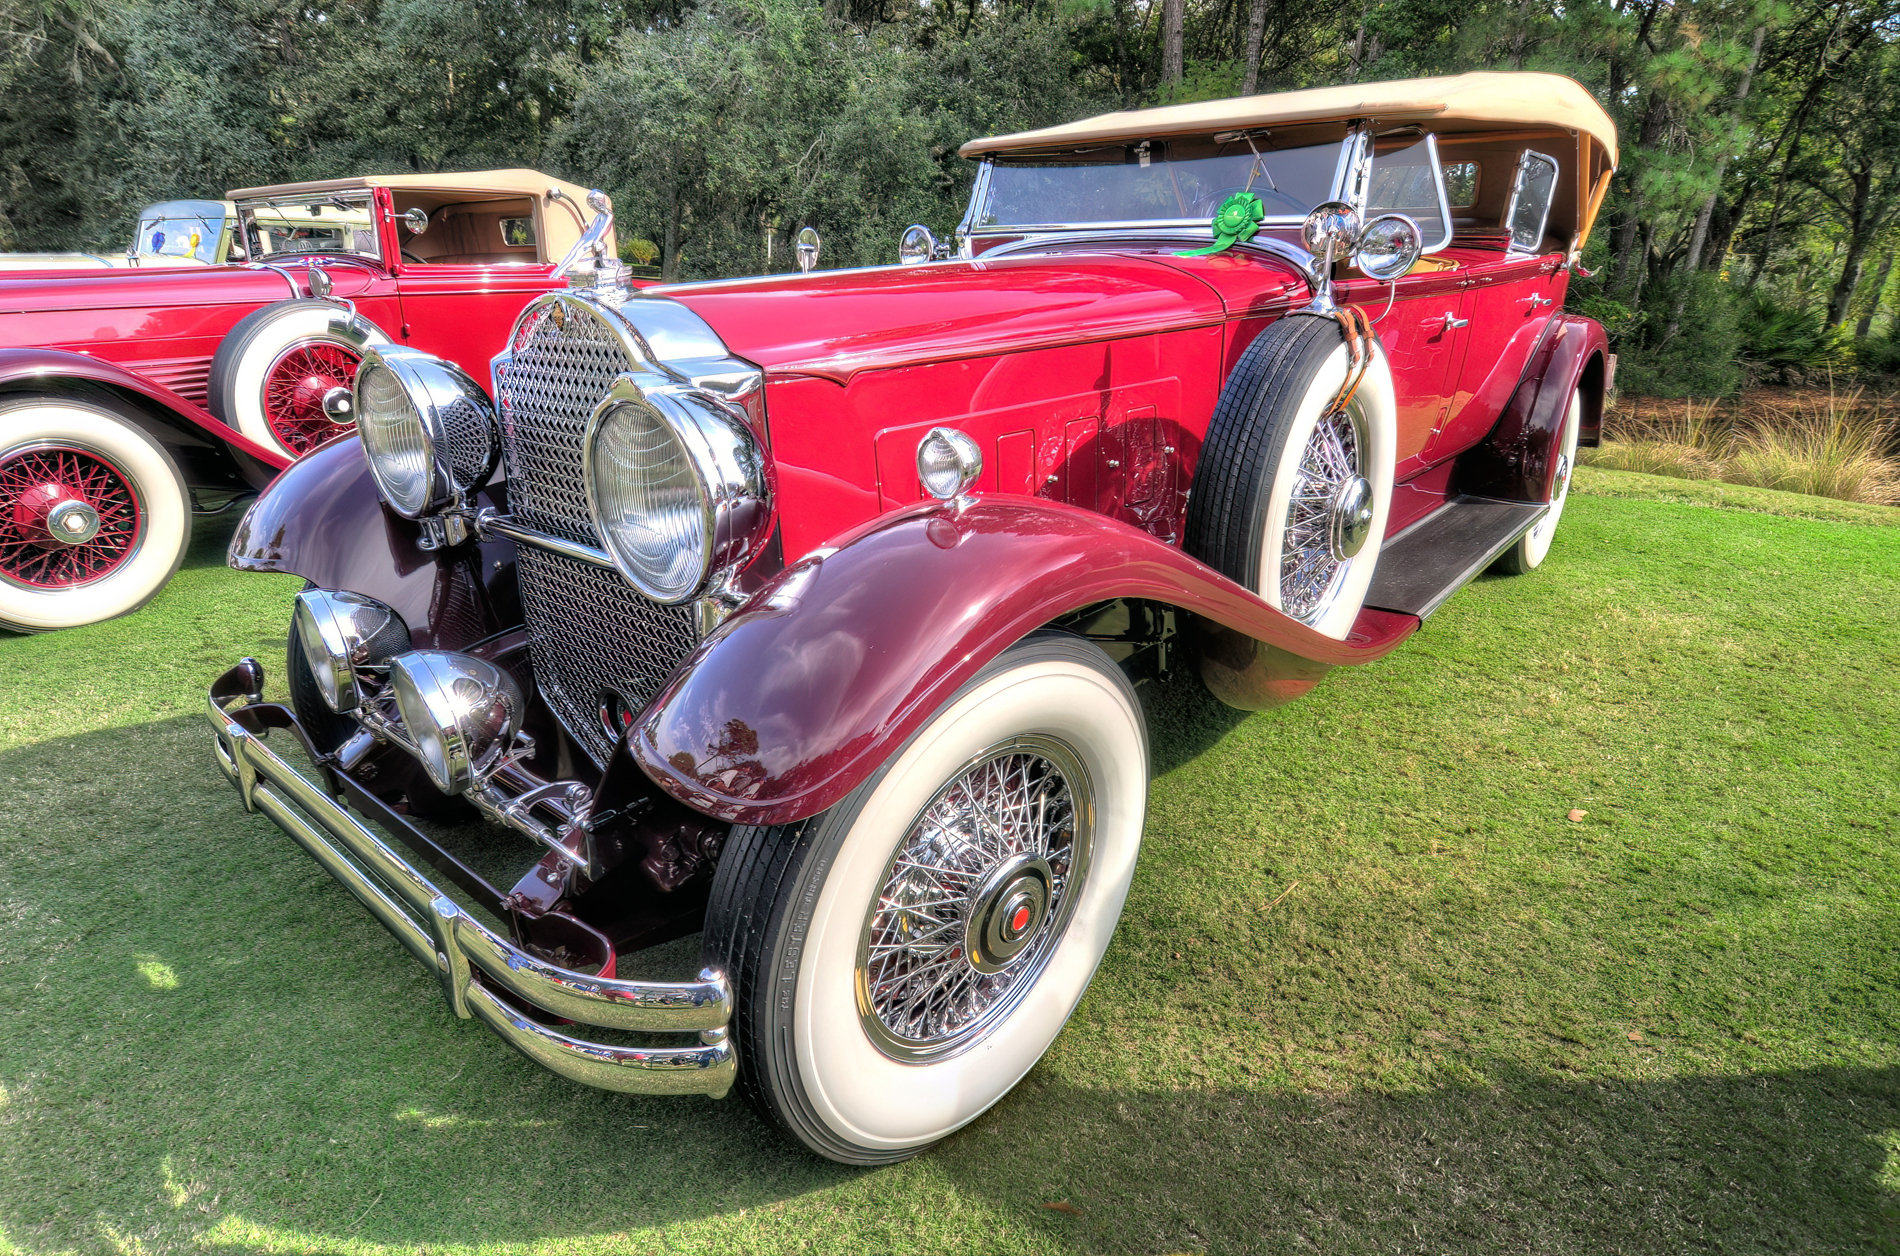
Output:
x=1753 y=223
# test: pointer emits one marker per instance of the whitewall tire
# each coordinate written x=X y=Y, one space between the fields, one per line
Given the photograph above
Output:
x=277 y=374
x=1531 y=548
x=94 y=516
x=903 y=959
x=1291 y=494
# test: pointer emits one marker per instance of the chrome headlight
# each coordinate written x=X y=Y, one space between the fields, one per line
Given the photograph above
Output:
x=462 y=713
x=427 y=427
x=675 y=486
x=342 y=633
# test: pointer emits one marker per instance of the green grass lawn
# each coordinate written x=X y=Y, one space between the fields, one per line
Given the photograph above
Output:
x=1374 y=991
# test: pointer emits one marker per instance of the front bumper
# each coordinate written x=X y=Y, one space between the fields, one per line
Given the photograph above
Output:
x=483 y=974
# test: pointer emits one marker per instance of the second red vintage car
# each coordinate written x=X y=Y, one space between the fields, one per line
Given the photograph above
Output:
x=130 y=397
x=809 y=612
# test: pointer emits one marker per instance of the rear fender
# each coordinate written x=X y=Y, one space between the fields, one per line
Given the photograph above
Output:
x=1517 y=462
x=821 y=676
x=323 y=520
x=170 y=418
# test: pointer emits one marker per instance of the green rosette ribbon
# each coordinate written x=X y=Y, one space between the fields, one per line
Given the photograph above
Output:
x=1238 y=217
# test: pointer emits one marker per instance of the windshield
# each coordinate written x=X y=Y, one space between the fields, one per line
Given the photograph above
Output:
x=1159 y=182
x=180 y=233
x=339 y=223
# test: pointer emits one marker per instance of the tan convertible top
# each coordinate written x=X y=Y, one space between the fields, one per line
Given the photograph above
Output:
x=559 y=229
x=1494 y=99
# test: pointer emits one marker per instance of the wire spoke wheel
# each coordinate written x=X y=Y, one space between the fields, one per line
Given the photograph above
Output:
x=297 y=386
x=975 y=898
x=1311 y=564
x=68 y=517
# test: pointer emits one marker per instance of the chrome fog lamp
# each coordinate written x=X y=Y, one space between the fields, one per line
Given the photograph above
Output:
x=461 y=712
x=948 y=462
x=427 y=427
x=341 y=634
x=675 y=487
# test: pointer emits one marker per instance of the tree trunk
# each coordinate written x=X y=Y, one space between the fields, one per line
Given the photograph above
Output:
x=1359 y=45
x=1862 y=224
x=1256 y=30
x=1171 y=17
x=670 y=243
x=1866 y=323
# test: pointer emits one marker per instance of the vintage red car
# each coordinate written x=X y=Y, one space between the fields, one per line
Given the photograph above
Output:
x=132 y=397
x=809 y=611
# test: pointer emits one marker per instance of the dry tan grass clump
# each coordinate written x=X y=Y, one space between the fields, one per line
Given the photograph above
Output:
x=1822 y=445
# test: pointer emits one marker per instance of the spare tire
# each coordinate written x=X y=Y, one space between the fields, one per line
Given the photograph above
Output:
x=276 y=376
x=1291 y=493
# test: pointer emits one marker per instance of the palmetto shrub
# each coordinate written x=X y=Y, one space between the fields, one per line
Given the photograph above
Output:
x=1787 y=343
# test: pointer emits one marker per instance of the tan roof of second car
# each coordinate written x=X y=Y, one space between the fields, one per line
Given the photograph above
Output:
x=1520 y=98
x=517 y=182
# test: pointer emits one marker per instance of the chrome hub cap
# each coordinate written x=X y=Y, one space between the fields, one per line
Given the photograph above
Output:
x=339 y=405
x=1328 y=516
x=1561 y=484
x=1352 y=517
x=975 y=899
x=72 y=522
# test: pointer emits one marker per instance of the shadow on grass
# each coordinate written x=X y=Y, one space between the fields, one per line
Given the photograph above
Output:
x=209 y=1044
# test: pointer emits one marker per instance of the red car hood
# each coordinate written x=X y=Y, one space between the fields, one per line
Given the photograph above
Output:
x=838 y=323
x=43 y=291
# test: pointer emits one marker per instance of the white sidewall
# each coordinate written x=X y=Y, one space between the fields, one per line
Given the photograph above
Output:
x=1536 y=542
x=167 y=516
x=1376 y=403
x=857 y=1091
x=294 y=325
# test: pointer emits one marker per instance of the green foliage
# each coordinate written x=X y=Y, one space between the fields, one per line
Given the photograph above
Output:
x=1784 y=343
x=1699 y=360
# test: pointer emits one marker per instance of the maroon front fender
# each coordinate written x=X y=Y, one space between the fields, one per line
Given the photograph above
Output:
x=19 y=366
x=820 y=677
x=323 y=520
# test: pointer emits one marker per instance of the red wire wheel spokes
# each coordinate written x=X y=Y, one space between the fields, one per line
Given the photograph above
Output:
x=67 y=517
x=294 y=390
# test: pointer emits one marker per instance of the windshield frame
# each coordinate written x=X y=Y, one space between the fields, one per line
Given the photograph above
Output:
x=1345 y=167
x=298 y=206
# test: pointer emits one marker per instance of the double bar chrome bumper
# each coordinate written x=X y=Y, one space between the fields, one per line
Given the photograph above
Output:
x=457 y=947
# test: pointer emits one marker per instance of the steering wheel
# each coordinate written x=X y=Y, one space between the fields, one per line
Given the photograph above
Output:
x=1206 y=205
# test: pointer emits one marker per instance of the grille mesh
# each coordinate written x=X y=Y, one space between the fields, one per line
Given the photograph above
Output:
x=588 y=630
x=561 y=371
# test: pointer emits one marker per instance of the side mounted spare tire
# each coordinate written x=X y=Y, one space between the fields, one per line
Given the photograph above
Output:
x=94 y=517
x=1291 y=494
x=276 y=375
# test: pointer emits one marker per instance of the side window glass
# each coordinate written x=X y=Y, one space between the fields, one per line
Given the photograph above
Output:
x=1408 y=180
x=1461 y=183
x=517 y=232
x=1531 y=191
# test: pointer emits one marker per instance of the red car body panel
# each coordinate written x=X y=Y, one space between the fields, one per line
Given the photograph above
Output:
x=19 y=367
x=797 y=698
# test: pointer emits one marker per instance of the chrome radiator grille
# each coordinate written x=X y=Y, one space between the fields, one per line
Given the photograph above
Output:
x=589 y=633
x=560 y=372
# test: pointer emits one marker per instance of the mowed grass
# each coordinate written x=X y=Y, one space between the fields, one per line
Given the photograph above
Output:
x=1374 y=990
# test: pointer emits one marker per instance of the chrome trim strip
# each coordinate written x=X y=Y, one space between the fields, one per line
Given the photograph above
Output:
x=488 y=523
x=1132 y=224
x=452 y=943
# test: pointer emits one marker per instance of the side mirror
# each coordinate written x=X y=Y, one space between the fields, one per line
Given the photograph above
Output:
x=917 y=246
x=1388 y=247
x=808 y=248
x=416 y=220
x=1330 y=230
x=320 y=283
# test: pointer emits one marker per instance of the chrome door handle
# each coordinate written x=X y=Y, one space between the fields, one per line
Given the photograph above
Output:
x=1446 y=322
x=1536 y=301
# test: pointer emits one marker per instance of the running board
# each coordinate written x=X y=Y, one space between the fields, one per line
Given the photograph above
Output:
x=1437 y=556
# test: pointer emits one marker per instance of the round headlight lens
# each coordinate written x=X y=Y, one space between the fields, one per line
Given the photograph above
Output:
x=650 y=503
x=394 y=437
